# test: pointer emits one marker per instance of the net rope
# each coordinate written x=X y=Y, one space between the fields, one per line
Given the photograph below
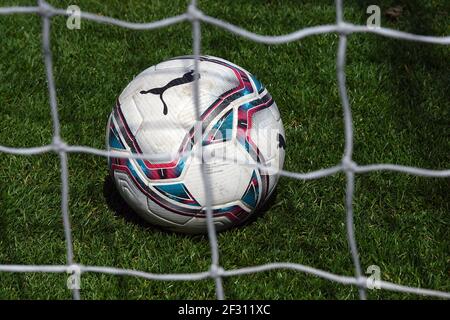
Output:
x=216 y=272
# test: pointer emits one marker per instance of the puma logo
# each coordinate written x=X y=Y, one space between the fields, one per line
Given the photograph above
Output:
x=186 y=78
x=281 y=142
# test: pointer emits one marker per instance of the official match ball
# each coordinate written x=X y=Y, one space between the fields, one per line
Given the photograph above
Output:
x=233 y=145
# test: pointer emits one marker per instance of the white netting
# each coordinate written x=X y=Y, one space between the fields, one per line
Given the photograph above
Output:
x=216 y=272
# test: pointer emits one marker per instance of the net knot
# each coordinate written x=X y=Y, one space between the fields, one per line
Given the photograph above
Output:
x=216 y=271
x=45 y=9
x=74 y=269
x=344 y=28
x=193 y=13
x=348 y=164
x=361 y=282
x=59 y=145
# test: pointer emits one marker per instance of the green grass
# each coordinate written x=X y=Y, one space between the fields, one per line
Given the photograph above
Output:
x=399 y=95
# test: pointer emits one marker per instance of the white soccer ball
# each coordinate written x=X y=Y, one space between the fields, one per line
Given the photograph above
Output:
x=240 y=127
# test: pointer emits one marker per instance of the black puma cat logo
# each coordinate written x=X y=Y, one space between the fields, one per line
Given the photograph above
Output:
x=281 y=142
x=186 y=78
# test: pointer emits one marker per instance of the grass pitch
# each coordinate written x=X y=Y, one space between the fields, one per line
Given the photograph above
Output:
x=399 y=95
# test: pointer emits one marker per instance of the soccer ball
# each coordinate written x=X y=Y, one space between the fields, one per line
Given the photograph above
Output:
x=239 y=135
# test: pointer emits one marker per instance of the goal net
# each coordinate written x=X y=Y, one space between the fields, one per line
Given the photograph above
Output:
x=216 y=272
